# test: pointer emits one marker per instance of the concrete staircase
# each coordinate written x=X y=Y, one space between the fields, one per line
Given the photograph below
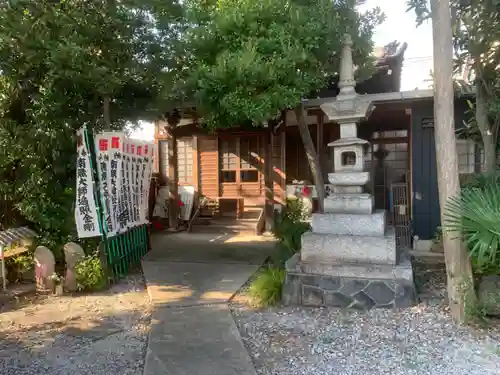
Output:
x=248 y=223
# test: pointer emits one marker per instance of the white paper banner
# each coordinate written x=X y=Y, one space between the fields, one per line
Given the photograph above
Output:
x=141 y=171
x=87 y=223
x=124 y=167
x=115 y=142
x=126 y=181
x=103 y=152
x=148 y=171
x=134 y=174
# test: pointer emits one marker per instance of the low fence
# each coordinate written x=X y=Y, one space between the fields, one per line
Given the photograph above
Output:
x=126 y=250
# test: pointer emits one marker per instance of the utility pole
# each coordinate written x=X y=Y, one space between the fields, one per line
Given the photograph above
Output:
x=458 y=267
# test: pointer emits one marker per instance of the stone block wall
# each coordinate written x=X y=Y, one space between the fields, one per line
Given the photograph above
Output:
x=334 y=291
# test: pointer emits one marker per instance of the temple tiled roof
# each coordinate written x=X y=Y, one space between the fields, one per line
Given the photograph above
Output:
x=387 y=76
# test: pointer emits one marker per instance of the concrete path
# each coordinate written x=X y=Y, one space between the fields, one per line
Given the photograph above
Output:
x=190 y=278
x=176 y=284
x=198 y=340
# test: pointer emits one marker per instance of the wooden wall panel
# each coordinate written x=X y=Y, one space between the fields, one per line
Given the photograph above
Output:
x=229 y=190
x=209 y=166
x=251 y=189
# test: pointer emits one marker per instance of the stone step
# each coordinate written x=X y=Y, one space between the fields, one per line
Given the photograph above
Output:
x=226 y=226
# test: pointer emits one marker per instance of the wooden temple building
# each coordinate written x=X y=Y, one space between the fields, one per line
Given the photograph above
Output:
x=244 y=176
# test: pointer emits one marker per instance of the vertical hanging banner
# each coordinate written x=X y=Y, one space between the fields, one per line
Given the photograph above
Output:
x=126 y=178
x=103 y=156
x=140 y=179
x=115 y=140
x=124 y=168
x=87 y=222
x=133 y=183
x=147 y=170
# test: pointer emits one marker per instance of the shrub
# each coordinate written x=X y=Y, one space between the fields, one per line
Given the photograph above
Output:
x=290 y=225
x=265 y=289
x=476 y=215
x=20 y=267
x=90 y=274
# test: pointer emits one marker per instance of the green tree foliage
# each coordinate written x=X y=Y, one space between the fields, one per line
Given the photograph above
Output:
x=249 y=60
x=64 y=64
x=476 y=37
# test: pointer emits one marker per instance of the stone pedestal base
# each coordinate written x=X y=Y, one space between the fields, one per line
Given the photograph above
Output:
x=339 y=249
x=348 y=286
x=350 y=224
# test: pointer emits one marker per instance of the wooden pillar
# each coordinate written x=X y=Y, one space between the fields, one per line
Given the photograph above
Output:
x=282 y=136
x=268 y=180
x=196 y=165
x=173 y=178
x=319 y=139
x=173 y=211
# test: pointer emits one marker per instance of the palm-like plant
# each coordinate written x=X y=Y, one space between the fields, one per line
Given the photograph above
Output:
x=475 y=214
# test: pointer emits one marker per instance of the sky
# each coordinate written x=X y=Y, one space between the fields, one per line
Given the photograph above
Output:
x=399 y=25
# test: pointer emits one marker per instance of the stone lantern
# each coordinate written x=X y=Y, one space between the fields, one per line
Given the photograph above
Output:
x=349 y=259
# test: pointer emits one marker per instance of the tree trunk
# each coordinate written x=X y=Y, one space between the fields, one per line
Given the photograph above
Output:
x=488 y=134
x=458 y=267
x=312 y=156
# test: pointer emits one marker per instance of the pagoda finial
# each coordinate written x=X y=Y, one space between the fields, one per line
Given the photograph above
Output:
x=346 y=81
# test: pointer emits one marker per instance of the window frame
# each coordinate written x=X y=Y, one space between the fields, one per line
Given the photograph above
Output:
x=234 y=162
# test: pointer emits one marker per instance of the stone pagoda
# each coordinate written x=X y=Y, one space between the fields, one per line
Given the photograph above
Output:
x=349 y=259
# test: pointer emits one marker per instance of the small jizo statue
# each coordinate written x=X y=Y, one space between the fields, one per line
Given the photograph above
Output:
x=44 y=269
x=72 y=254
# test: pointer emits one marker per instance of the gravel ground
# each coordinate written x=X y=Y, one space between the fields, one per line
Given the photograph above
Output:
x=104 y=333
x=416 y=341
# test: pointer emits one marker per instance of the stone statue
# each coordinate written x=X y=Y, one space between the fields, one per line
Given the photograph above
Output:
x=72 y=254
x=44 y=269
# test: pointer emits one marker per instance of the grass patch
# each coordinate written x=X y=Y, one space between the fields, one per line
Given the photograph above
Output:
x=265 y=289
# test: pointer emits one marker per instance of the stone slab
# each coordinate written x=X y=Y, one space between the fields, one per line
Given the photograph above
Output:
x=349 y=203
x=197 y=340
x=353 y=286
x=331 y=248
x=350 y=224
x=188 y=284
